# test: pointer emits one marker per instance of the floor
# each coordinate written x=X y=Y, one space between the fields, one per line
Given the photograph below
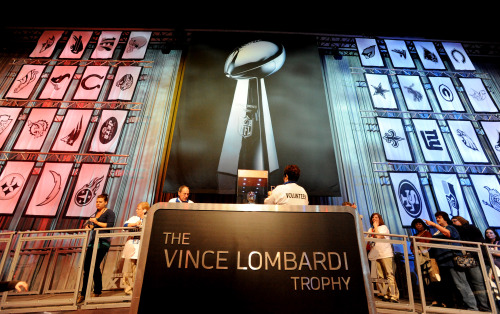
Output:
x=90 y=311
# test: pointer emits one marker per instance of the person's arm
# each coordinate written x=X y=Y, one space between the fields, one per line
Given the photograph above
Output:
x=134 y=221
x=98 y=223
x=271 y=199
x=495 y=248
x=379 y=229
x=20 y=285
x=108 y=220
x=13 y=284
x=441 y=229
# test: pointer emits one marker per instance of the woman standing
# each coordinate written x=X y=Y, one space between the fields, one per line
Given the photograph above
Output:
x=422 y=230
x=381 y=255
x=102 y=218
x=452 y=278
x=131 y=249
x=492 y=237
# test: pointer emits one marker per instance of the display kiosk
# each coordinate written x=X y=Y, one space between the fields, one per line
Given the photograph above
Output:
x=252 y=186
x=252 y=258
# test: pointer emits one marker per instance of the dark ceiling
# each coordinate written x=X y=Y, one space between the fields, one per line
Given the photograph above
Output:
x=426 y=20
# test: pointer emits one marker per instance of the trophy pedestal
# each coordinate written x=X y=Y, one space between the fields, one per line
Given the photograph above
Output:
x=249 y=140
x=252 y=186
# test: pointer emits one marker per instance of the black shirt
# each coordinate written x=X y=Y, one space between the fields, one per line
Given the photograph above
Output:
x=107 y=217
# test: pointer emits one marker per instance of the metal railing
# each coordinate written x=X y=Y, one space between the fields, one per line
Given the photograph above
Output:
x=52 y=262
x=402 y=241
x=416 y=302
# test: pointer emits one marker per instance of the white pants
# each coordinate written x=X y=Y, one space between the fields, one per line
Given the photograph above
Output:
x=383 y=269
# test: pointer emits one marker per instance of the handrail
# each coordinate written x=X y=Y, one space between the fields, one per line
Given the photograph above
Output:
x=467 y=246
x=46 y=248
x=18 y=248
x=404 y=241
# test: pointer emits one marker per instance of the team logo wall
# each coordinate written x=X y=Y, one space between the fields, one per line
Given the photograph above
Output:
x=396 y=146
x=409 y=197
x=75 y=46
x=369 y=53
x=8 y=118
x=106 y=45
x=449 y=195
x=49 y=189
x=124 y=84
x=12 y=182
x=381 y=91
x=25 y=81
x=487 y=189
x=414 y=93
x=399 y=54
x=478 y=95
x=91 y=83
x=35 y=129
x=429 y=56
x=58 y=82
x=107 y=134
x=431 y=140
x=446 y=94
x=90 y=184
x=72 y=130
x=467 y=142
x=137 y=45
x=492 y=131
x=46 y=44
x=458 y=56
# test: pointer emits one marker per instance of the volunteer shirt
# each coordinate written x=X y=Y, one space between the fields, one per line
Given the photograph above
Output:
x=289 y=193
x=177 y=200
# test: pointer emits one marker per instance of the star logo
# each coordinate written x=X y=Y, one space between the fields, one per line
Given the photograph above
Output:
x=379 y=90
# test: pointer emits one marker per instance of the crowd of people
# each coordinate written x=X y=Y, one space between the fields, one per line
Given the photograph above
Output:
x=287 y=193
x=448 y=282
x=447 y=285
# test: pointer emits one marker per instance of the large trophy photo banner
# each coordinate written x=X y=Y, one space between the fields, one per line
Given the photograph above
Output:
x=246 y=104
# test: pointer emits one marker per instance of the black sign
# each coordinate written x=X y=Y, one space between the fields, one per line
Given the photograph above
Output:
x=202 y=257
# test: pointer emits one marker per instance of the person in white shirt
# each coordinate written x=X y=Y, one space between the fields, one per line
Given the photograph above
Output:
x=381 y=257
x=289 y=193
x=131 y=248
x=182 y=197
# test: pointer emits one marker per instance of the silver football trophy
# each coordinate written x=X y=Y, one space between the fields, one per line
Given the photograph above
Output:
x=249 y=140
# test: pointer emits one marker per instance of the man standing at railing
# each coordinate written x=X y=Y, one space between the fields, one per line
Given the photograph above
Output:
x=450 y=276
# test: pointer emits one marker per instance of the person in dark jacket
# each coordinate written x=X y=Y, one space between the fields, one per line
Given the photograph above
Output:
x=102 y=218
x=474 y=275
x=451 y=277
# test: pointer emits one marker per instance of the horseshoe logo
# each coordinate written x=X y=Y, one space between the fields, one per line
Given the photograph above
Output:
x=455 y=52
x=84 y=82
